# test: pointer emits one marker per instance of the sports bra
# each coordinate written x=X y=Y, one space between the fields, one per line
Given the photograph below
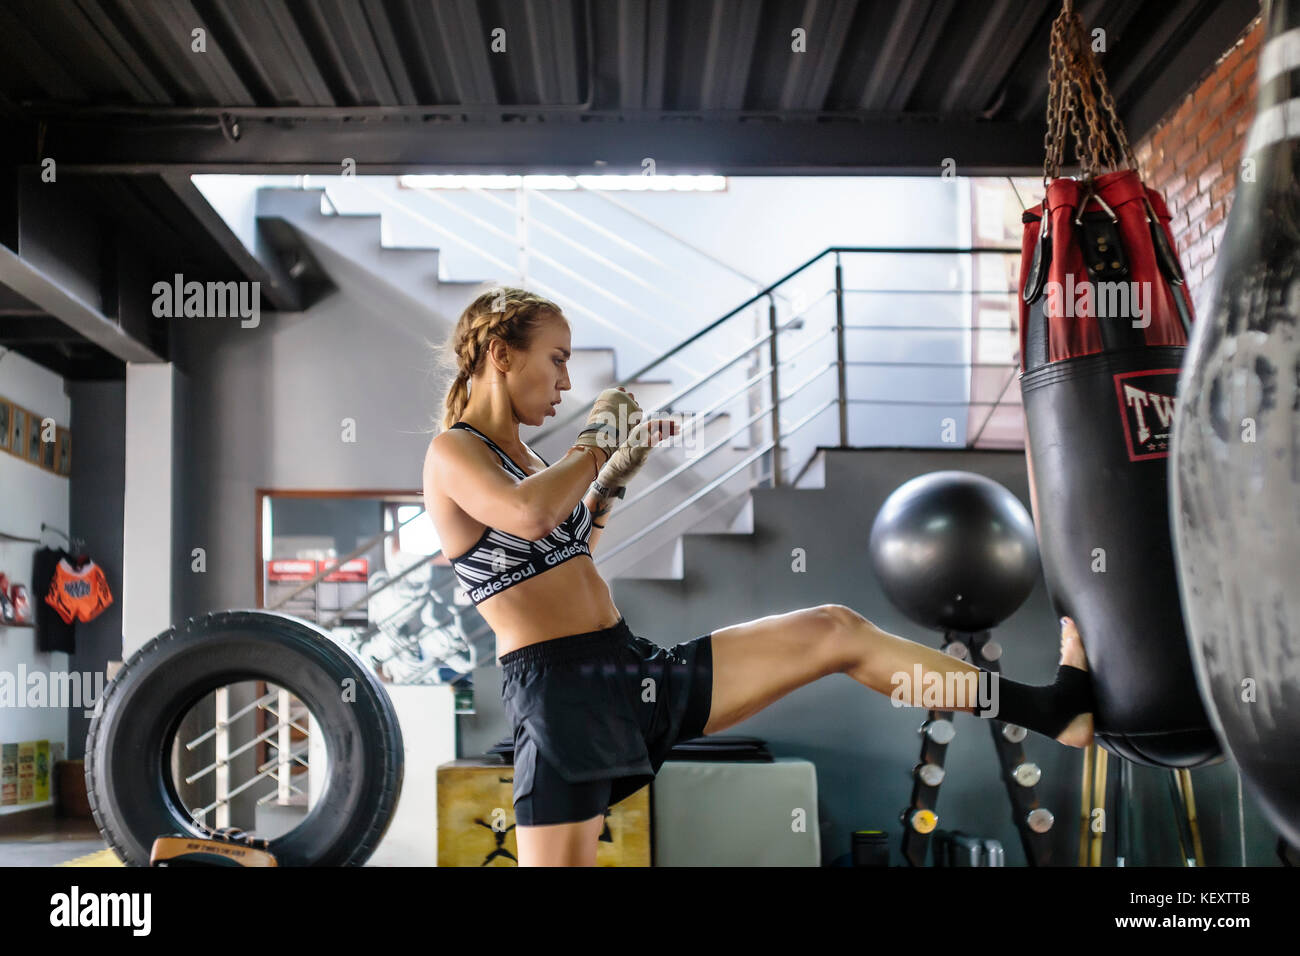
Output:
x=499 y=560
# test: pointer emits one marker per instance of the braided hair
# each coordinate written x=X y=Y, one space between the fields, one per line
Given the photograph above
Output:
x=505 y=313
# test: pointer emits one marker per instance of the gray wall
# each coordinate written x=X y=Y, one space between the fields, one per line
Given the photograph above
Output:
x=265 y=411
x=95 y=515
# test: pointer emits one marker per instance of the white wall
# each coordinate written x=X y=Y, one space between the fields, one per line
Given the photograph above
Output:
x=28 y=496
x=147 y=534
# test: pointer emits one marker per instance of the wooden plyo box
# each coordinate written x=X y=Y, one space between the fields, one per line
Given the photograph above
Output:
x=476 y=819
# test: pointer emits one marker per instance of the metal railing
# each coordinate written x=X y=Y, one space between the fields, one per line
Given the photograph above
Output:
x=278 y=736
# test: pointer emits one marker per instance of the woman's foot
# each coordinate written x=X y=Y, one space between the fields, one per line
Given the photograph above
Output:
x=1079 y=732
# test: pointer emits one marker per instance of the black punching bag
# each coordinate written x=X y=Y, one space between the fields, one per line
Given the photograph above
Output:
x=1235 y=465
x=1104 y=321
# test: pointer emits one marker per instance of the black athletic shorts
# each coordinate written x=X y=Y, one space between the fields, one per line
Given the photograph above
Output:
x=594 y=716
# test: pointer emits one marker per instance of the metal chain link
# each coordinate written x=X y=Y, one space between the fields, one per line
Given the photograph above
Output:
x=1100 y=141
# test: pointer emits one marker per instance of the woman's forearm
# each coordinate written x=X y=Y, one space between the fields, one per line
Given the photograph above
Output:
x=600 y=508
x=555 y=491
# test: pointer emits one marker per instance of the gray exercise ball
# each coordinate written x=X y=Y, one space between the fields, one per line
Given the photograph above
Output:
x=954 y=550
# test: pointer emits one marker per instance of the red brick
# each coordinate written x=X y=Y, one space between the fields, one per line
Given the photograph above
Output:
x=1222 y=144
x=1242 y=75
x=1230 y=63
x=1239 y=102
x=1216 y=235
x=1185 y=152
x=1206 y=179
x=1200 y=250
x=1199 y=163
x=1175 y=182
x=1233 y=159
x=1222 y=93
x=1225 y=185
x=1161 y=174
x=1222 y=67
x=1197 y=207
x=1160 y=138
x=1185 y=195
x=1202 y=93
x=1208 y=129
x=1253 y=36
x=1214 y=215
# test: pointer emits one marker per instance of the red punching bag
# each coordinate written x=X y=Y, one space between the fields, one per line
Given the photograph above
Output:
x=1104 y=321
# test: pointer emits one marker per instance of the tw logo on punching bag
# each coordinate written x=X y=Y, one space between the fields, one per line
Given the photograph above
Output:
x=1146 y=407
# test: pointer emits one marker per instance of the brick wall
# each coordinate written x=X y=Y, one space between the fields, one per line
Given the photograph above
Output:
x=1192 y=155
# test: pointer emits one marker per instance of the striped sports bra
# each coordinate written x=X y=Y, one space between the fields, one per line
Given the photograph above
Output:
x=499 y=560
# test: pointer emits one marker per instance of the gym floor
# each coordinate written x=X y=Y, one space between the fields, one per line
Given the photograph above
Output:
x=50 y=842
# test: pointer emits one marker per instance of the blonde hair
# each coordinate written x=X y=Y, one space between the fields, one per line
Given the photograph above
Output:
x=505 y=313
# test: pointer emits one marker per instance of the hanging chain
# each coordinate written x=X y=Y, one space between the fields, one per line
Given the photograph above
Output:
x=1073 y=72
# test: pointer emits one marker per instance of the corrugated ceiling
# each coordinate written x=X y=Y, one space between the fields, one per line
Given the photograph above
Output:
x=877 y=85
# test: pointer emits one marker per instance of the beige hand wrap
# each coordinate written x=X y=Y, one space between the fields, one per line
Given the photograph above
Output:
x=612 y=418
x=612 y=480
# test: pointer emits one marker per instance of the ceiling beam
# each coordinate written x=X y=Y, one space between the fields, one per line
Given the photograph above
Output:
x=260 y=265
x=35 y=329
x=889 y=145
x=36 y=286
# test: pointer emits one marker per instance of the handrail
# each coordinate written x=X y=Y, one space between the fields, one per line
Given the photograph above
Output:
x=232 y=718
x=740 y=353
x=768 y=290
x=699 y=493
x=754 y=379
x=248 y=783
x=692 y=461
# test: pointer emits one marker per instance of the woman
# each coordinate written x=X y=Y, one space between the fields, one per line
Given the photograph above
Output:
x=596 y=709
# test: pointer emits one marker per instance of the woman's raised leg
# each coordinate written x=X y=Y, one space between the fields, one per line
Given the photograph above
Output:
x=760 y=661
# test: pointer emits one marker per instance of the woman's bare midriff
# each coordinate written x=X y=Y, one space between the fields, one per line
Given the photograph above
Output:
x=569 y=599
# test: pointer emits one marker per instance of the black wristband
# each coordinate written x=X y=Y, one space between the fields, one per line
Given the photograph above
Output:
x=604 y=492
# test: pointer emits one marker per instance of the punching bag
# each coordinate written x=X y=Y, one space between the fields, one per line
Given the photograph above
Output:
x=1235 y=465
x=1104 y=321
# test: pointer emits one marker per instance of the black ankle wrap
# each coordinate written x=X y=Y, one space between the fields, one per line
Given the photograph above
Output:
x=1048 y=709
